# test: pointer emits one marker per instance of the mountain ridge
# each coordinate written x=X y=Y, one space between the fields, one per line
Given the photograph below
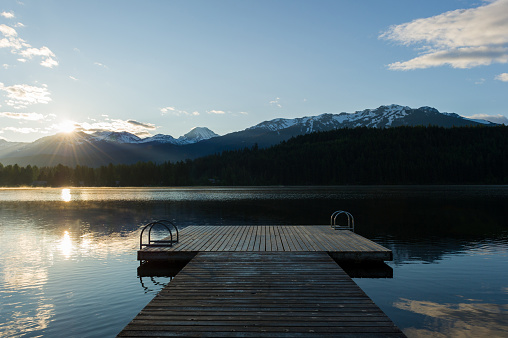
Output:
x=106 y=147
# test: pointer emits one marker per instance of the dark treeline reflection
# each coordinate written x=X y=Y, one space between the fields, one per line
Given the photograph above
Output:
x=403 y=155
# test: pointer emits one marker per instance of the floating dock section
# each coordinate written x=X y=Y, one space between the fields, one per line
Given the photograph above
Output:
x=339 y=244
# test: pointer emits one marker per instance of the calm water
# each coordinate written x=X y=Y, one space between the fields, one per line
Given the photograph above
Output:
x=68 y=256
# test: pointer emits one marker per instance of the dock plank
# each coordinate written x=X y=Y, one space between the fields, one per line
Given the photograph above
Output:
x=276 y=294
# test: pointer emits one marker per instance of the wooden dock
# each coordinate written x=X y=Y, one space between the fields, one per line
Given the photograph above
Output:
x=339 y=244
x=262 y=293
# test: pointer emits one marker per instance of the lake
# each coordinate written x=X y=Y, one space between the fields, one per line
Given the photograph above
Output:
x=68 y=256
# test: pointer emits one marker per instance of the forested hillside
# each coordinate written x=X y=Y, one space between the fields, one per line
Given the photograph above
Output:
x=402 y=155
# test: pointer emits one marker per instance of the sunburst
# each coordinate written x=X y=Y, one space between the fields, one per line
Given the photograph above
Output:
x=66 y=127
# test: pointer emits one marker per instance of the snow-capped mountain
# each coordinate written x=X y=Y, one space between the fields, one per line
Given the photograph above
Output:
x=118 y=137
x=102 y=148
x=382 y=117
x=196 y=135
x=160 y=138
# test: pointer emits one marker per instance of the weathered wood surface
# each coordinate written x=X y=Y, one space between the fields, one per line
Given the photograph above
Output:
x=341 y=244
x=276 y=294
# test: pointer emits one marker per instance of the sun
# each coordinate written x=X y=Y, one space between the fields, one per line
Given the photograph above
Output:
x=66 y=127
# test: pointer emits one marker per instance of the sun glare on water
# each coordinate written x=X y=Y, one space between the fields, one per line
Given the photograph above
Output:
x=66 y=195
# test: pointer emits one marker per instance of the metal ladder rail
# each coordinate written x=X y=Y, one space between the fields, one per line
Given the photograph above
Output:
x=350 y=221
x=151 y=242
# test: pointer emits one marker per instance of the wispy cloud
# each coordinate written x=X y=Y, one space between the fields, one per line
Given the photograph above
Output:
x=502 y=77
x=22 y=116
x=141 y=129
x=72 y=78
x=463 y=38
x=501 y=119
x=21 y=47
x=22 y=95
x=177 y=112
x=7 y=15
x=100 y=65
x=149 y=126
x=216 y=112
x=275 y=103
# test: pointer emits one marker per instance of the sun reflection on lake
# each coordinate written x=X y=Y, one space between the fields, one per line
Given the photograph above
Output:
x=66 y=195
x=66 y=245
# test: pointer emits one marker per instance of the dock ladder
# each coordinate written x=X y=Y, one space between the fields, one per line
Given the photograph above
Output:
x=350 y=221
x=168 y=225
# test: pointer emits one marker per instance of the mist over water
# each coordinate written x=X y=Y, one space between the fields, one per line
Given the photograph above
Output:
x=68 y=256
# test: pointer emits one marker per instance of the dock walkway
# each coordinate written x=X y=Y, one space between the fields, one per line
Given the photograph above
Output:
x=276 y=294
x=340 y=244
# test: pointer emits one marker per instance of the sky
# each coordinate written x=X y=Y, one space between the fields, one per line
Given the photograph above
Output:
x=165 y=67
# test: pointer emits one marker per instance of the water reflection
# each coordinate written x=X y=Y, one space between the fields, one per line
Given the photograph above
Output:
x=457 y=319
x=66 y=245
x=27 y=318
x=66 y=195
x=50 y=267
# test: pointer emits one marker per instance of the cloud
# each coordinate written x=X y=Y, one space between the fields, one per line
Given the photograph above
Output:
x=177 y=112
x=275 y=103
x=100 y=65
x=167 y=109
x=72 y=78
x=137 y=128
x=21 y=47
x=141 y=124
x=7 y=15
x=466 y=57
x=502 y=77
x=23 y=116
x=501 y=119
x=49 y=63
x=7 y=31
x=23 y=95
x=22 y=130
x=463 y=38
x=217 y=112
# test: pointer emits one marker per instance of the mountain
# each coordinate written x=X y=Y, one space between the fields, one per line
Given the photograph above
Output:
x=196 y=135
x=117 y=137
x=160 y=138
x=382 y=117
x=102 y=148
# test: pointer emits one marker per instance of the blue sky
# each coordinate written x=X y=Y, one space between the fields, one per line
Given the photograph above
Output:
x=152 y=67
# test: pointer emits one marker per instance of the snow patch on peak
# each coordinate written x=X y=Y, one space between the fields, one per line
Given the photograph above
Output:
x=117 y=137
x=160 y=138
x=196 y=134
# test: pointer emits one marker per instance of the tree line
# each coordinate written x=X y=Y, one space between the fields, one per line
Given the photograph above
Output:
x=402 y=155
